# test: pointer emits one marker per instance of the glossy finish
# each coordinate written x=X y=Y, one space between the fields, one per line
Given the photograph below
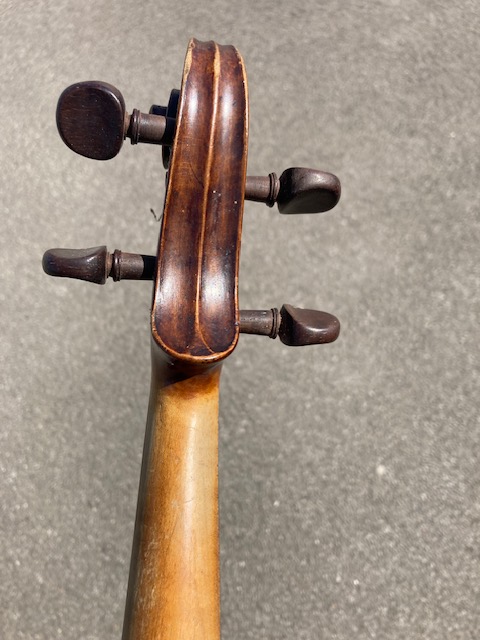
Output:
x=195 y=306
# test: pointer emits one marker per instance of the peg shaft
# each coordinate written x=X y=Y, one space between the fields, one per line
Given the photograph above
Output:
x=298 y=190
x=96 y=264
x=145 y=127
x=92 y=121
x=262 y=189
x=295 y=327
x=263 y=323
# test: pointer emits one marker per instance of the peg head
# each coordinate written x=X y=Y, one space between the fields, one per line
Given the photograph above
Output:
x=91 y=119
x=295 y=327
x=301 y=327
x=92 y=265
x=307 y=191
x=297 y=191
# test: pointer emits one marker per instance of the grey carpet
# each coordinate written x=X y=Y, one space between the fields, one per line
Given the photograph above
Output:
x=349 y=473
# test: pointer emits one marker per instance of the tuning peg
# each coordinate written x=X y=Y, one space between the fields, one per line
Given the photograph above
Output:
x=297 y=191
x=97 y=264
x=92 y=121
x=295 y=327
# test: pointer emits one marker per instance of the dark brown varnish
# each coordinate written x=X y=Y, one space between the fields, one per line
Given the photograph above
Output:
x=195 y=305
x=174 y=588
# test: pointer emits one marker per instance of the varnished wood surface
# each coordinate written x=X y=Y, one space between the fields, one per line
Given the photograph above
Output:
x=174 y=578
x=195 y=306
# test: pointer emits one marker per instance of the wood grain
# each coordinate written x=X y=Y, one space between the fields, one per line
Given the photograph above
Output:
x=174 y=578
x=195 y=304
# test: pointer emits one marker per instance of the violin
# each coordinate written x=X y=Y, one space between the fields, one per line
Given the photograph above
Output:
x=174 y=579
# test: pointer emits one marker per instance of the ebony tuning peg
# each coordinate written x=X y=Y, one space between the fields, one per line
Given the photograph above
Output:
x=297 y=190
x=96 y=264
x=92 y=121
x=295 y=327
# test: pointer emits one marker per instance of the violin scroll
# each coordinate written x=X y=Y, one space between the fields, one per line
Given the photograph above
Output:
x=195 y=318
x=195 y=315
x=294 y=326
x=92 y=121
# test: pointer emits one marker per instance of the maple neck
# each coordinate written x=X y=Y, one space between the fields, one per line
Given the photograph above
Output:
x=174 y=590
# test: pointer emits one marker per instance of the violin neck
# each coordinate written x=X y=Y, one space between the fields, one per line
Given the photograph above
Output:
x=174 y=585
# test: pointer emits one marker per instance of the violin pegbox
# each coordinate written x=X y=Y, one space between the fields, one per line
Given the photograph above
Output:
x=92 y=121
x=203 y=132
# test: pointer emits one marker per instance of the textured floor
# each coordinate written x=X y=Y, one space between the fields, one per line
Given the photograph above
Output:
x=350 y=476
